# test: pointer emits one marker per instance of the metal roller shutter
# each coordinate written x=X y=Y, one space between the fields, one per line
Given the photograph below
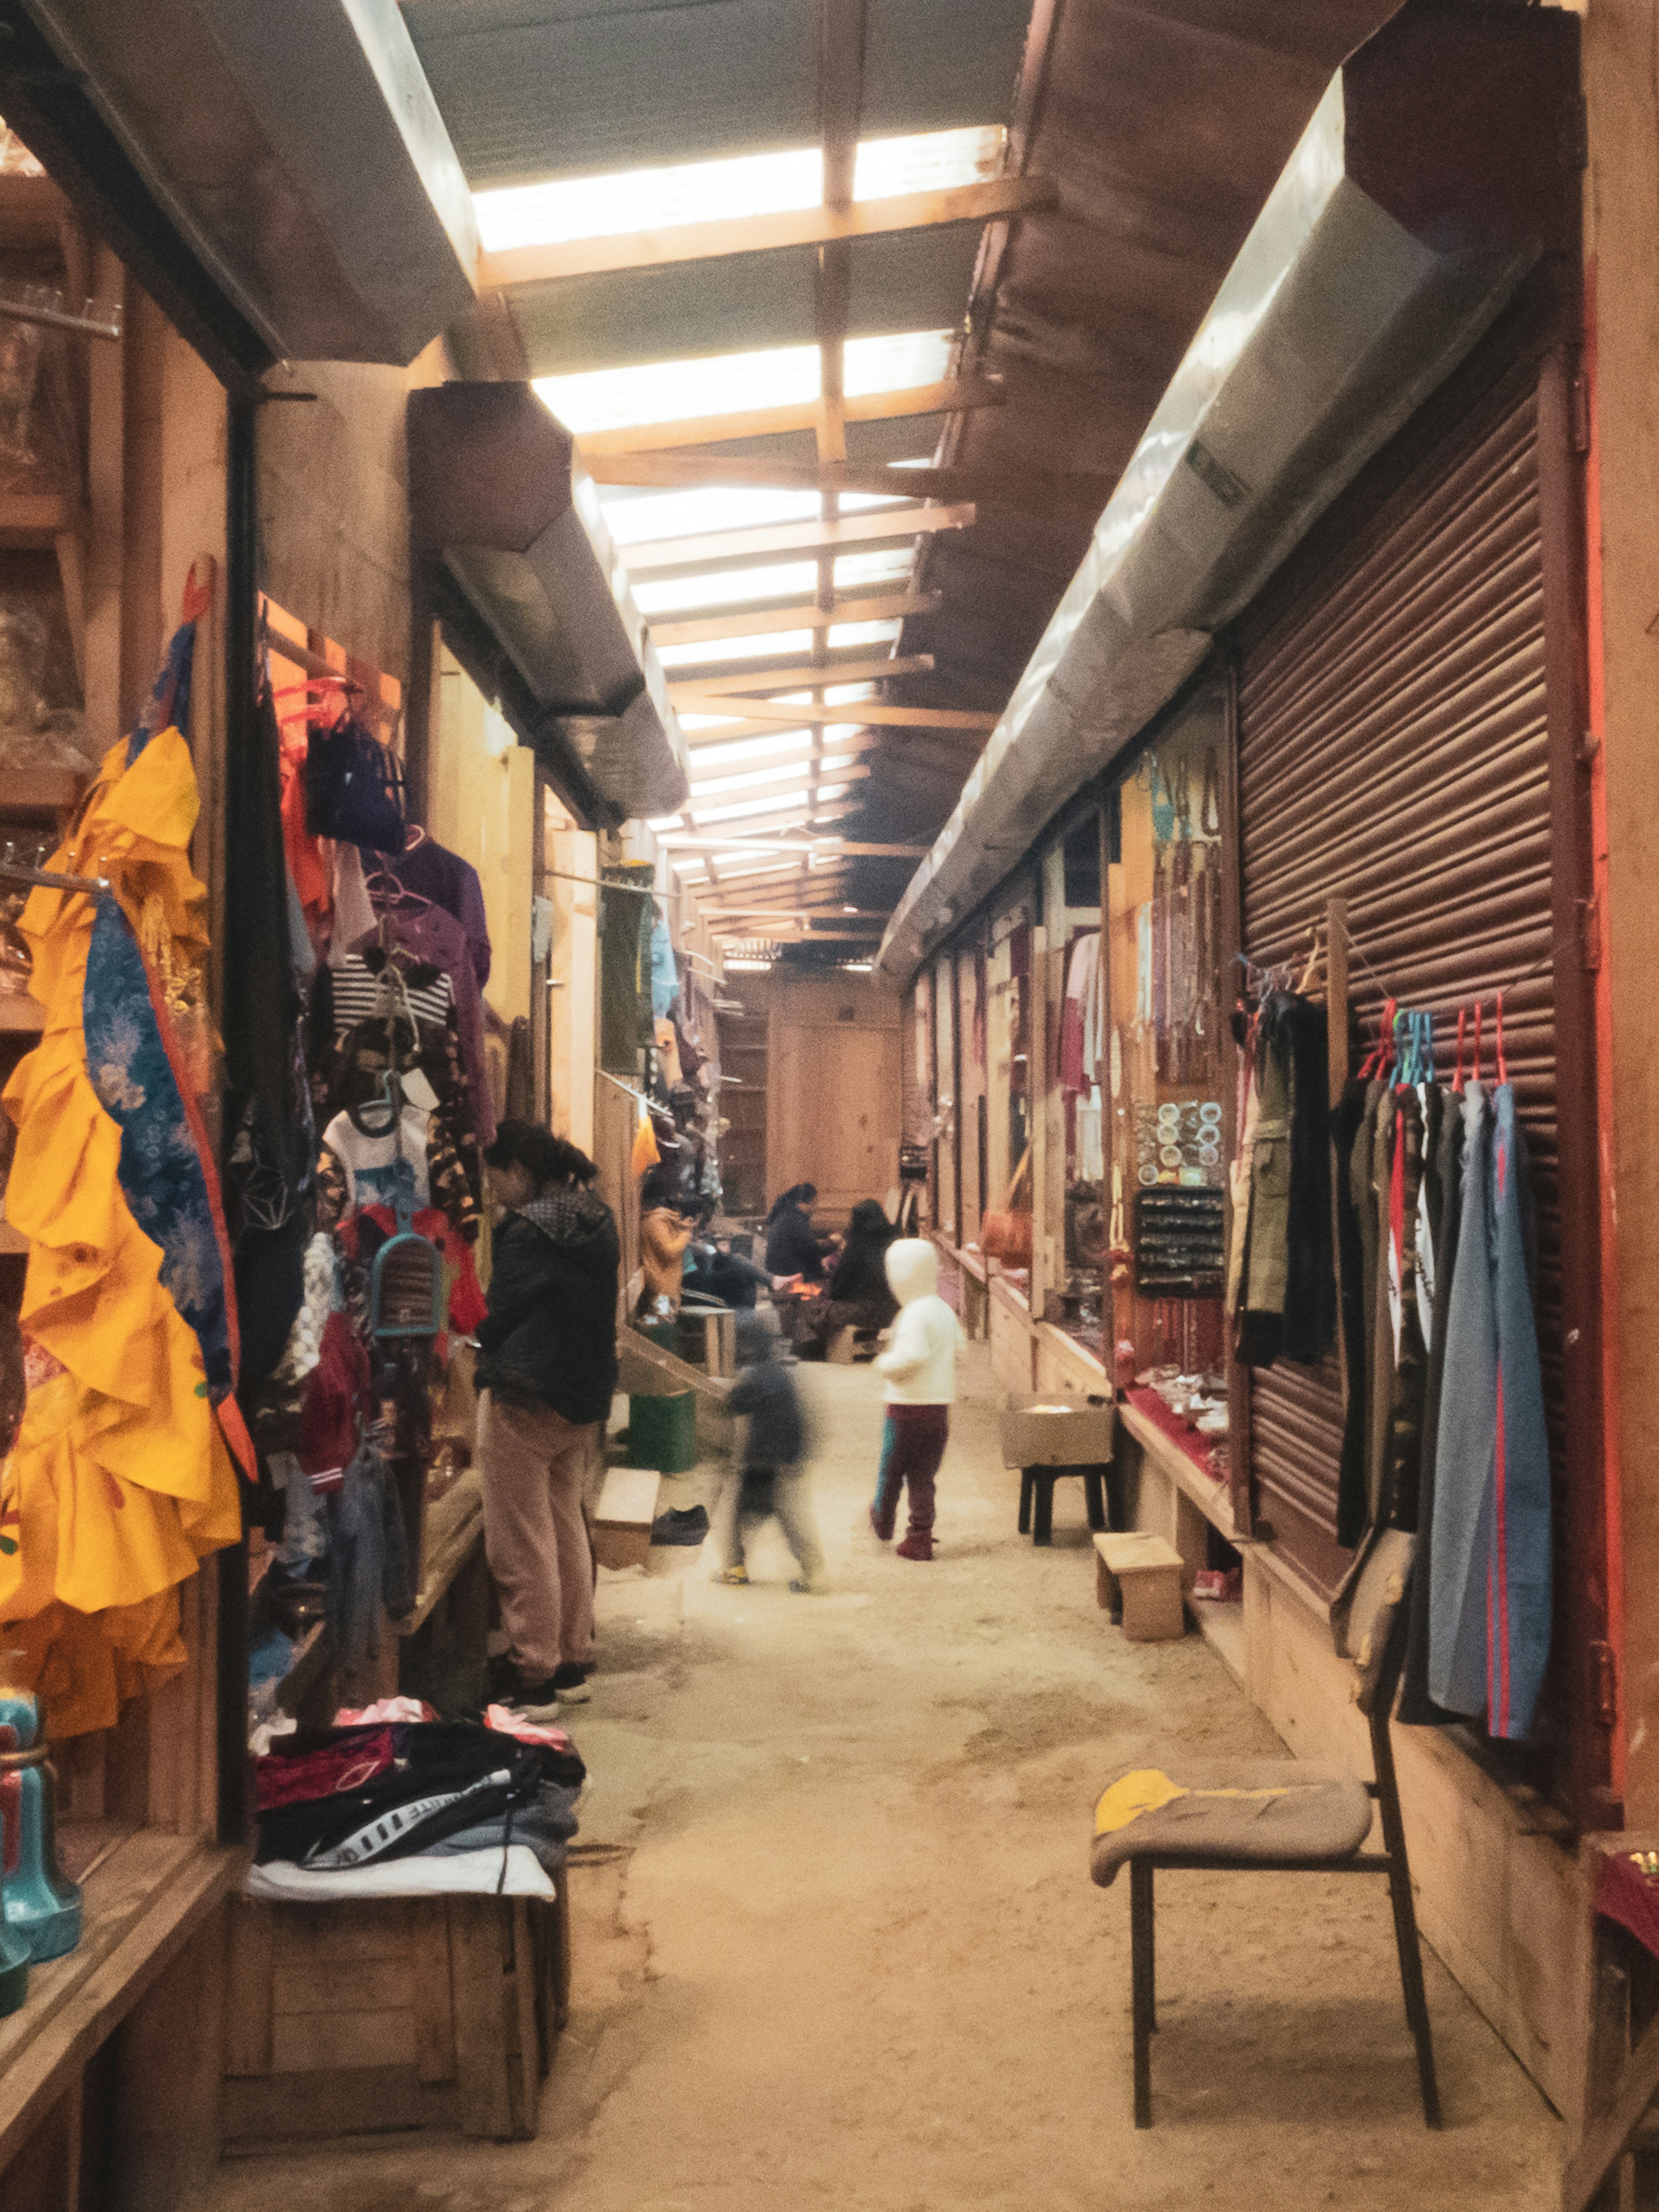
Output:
x=1393 y=747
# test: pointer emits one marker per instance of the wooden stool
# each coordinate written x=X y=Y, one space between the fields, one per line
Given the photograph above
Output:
x=1038 y=1484
x=1138 y=1580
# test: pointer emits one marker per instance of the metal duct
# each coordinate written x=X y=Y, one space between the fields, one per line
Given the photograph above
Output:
x=497 y=502
x=297 y=151
x=1427 y=184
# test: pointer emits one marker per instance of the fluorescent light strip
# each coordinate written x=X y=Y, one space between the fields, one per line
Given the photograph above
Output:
x=621 y=398
x=560 y=210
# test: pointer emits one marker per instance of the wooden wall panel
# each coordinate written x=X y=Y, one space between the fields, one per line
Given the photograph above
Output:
x=835 y=1102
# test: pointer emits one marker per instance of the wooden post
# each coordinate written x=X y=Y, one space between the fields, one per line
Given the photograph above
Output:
x=1036 y=1119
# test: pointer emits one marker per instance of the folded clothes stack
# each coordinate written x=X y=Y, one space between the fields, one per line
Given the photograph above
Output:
x=343 y=1809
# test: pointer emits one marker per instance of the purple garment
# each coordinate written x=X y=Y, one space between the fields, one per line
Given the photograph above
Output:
x=428 y=933
x=432 y=871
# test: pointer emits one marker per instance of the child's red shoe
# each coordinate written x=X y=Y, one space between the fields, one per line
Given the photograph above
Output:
x=914 y=1546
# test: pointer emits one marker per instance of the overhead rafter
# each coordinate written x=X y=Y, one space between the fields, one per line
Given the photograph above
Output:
x=683 y=690
x=858 y=741
x=764 y=233
x=700 y=629
x=1039 y=488
x=731 y=548
x=786 y=819
x=795 y=935
x=946 y=397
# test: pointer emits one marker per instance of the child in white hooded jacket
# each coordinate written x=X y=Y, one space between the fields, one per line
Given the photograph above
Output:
x=920 y=1365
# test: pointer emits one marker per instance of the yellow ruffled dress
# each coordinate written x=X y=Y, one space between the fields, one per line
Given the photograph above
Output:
x=120 y=1479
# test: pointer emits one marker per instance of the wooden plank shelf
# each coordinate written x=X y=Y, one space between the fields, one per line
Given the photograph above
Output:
x=141 y=1903
x=31 y=210
x=39 y=794
x=21 y=1016
x=36 y=519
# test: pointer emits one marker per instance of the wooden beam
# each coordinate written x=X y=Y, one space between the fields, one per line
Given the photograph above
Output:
x=949 y=396
x=766 y=234
x=1089 y=488
x=683 y=690
x=733 y=548
x=713 y=629
x=871 y=714
x=863 y=741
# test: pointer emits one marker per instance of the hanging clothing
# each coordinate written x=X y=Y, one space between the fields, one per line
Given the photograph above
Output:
x=122 y=1477
x=1079 y=1065
x=353 y=917
x=664 y=972
x=432 y=871
x=1286 y=1293
x=1416 y=1708
x=1348 y=1124
x=429 y=935
x=1490 y=1600
x=627 y=1024
x=375 y=1167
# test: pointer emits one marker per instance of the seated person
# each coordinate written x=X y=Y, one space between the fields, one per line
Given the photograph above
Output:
x=794 y=1247
x=857 y=1294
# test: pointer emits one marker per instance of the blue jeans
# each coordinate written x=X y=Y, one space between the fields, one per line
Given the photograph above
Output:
x=1489 y=1593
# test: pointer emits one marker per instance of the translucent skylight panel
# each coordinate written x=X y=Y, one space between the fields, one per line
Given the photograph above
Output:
x=768 y=648
x=778 y=744
x=561 y=209
x=697 y=595
x=896 y=361
x=564 y=208
x=865 y=633
x=777 y=802
x=891 y=565
x=595 y=399
x=927 y=161
x=707 y=507
x=758 y=776
x=673 y=391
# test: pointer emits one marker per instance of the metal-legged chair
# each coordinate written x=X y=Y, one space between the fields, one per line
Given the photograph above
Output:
x=1266 y=1817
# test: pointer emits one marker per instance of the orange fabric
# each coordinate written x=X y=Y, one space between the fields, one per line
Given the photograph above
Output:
x=121 y=1480
x=662 y=1239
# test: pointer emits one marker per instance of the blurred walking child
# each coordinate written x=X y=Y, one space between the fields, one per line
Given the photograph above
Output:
x=770 y=1481
x=919 y=1365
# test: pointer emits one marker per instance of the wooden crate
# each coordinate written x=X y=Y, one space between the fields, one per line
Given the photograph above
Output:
x=394 y=2013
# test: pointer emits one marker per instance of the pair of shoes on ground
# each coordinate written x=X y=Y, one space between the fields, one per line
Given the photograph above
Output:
x=540 y=1701
x=737 y=1578
x=918 y=1544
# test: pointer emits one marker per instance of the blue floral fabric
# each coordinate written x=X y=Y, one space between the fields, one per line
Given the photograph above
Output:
x=160 y=1171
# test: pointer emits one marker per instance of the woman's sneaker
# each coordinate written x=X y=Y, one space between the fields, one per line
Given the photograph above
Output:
x=536 y=1701
x=570 y=1681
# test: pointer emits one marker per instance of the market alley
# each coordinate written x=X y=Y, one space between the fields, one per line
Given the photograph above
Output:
x=835 y=1941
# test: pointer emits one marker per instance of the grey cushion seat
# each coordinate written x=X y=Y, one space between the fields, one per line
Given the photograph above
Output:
x=1271 y=1809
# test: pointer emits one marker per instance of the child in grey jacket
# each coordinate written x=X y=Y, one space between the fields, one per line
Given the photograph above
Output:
x=769 y=1480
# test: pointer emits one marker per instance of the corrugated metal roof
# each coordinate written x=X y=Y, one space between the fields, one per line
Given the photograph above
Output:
x=907 y=280
x=572 y=87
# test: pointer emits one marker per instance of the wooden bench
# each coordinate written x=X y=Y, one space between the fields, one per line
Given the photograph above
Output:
x=623 y=1516
x=1138 y=1580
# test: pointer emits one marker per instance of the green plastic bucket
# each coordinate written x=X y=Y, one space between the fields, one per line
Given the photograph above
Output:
x=663 y=1331
x=662 y=1432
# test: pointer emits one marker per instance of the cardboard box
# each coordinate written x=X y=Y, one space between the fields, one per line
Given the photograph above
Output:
x=1057 y=1429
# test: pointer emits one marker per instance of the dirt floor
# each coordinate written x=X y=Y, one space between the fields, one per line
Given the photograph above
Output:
x=835 y=1943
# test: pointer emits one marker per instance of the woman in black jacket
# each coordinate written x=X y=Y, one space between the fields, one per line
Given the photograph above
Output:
x=857 y=1294
x=793 y=1245
x=546 y=1375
